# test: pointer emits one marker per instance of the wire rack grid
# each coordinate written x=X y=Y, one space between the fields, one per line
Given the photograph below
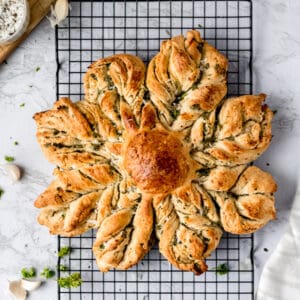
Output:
x=96 y=29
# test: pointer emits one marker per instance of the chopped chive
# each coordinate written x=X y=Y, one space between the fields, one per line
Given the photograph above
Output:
x=62 y=268
x=222 y=269
x=64 y=251
x=72 y=281
x=9 y=158
x=47 y=273
x=28 y=273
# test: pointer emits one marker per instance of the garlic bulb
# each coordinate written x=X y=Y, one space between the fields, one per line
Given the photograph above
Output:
x=30 y=285
x=12 y=171
x=59 y=12
x=16 y=288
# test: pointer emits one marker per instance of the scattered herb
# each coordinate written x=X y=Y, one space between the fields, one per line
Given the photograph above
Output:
x=168 y=33
x=22 y=104
x=16 y=143
x=196 y=106
x=174 y=112
x=1 y=192
x=37 y=69
x=48 y=273
x=200 y=26
x=102 y=246
x=203 y=172
x=206 y=66
x=266 y=249
x=93 y=76
x=28 y=273
x=205 y=115
x=30 y=86
x=64 y=251
x=62 y=268
x=222 y=269
x=220 y=70
x=72 y=281
x=9 y=158
x=158 y=227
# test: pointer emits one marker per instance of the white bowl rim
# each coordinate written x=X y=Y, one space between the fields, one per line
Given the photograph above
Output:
x=21 y=26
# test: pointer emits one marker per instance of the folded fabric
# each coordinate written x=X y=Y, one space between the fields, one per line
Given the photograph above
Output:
x=280 y=278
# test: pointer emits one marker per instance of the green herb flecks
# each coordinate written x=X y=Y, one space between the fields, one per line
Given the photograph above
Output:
x=16 y=143
x=222 y=269
x=220 y=70
x=72 y=281
x=9 y=158
x=22 y=105
x=28 y=273
x=1 y=192
x=37 y=69
x=64 y=251
x=206 y=66
x=195 y=106
x=62 y=268
x=203 y=172
x=174 y=112
x=47 y=273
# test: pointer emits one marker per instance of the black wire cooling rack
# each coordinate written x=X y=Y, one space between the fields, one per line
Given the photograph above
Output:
x=96 y=29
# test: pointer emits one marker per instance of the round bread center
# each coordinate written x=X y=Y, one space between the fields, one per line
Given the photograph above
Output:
x=156 y=161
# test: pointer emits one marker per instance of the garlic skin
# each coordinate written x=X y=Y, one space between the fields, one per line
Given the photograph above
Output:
x=15 y=287
x=30 y=285
x=12 y=171
x=58 y=12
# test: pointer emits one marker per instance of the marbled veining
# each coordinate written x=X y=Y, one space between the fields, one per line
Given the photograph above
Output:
x=24 y=243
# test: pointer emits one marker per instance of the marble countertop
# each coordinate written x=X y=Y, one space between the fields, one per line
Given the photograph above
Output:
x=276 y=64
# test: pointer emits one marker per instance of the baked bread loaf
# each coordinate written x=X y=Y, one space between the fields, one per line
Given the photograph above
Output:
x=157 y=154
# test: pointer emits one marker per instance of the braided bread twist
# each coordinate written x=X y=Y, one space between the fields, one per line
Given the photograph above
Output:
x=157 y=154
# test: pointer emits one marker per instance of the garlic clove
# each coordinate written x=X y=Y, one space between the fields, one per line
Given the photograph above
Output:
x=59 y=12
x=61 y=9
x=12 y=171
x=30 y=285
x=15 y=287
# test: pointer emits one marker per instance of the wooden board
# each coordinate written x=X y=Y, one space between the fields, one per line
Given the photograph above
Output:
x=38 y=10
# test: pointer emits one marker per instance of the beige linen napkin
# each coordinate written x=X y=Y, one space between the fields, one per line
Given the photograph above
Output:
x=280 y=279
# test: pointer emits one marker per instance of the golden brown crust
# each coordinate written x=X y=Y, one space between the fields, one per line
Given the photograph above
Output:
x=156 y=161
x=245 y=131
x=122 y=73
x=168 y=155
x=250 y=203
x=186 y=236
x=221 y=178
x=124 y=236
x=186 y=77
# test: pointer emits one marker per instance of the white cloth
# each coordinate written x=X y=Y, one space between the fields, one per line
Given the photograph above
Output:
x=280 y=279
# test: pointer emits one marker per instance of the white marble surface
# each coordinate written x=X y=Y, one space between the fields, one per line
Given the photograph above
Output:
x=24 y=243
